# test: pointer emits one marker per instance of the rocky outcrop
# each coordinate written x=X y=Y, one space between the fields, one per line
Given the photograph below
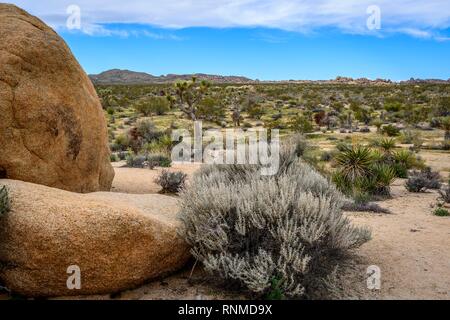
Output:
x=118 y=241
x=52 y=127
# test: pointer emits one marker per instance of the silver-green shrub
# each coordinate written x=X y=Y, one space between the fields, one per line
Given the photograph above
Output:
x=258 y=230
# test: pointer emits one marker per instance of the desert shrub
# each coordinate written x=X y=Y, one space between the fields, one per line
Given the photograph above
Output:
x=159 y=160
x=110 y=111
x=121 y=143
x=122 y=155
x=113 y=157
x=136 y=161
x=152 y=105
x=420 y=181
x=171 y=182
x=342 y=146
x=255 y=230
x=444 y=193
x=5 y=202
x=441 y=212
x=434 y=178
x=390 y=130
x=147 y=130
x=327 y=156
x=301 y=124
x=407 y=137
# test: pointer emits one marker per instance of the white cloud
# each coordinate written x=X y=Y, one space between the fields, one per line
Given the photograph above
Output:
x=417 y=18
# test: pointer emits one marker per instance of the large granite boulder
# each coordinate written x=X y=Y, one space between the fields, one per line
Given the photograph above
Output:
x=52 y=127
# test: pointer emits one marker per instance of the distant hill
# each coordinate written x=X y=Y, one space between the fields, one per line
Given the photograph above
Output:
x=117 y=76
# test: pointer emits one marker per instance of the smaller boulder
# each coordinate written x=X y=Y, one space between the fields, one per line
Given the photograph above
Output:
x=118 y=241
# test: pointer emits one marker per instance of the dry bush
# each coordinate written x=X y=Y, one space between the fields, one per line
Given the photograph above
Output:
x=283 y=233
x=171 y=182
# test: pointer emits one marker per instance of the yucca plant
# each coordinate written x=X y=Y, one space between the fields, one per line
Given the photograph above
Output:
x=387 y=145
x=354 y=162
x=403 y=160
x=379 y=182
x=360 y=169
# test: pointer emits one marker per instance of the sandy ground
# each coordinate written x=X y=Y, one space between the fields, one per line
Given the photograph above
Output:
x=438 y=160
x=410 y=246
x=142 y=181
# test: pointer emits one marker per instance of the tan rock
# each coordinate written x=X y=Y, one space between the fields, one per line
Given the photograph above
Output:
x=52 y=127
x=119 y=241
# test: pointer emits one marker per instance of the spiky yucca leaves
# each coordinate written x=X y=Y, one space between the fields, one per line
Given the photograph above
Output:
x=5 y=202
x=380 y=180
x=354 y=162
x=251 y=229
x=387 y=145
x=361 y=170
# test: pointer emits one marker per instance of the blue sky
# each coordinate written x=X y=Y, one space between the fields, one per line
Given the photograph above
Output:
x=265 y=39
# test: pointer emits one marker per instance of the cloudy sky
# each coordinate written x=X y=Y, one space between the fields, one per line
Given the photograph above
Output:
x=265 y=39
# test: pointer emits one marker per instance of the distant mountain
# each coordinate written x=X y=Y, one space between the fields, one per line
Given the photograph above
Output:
x=117 y=76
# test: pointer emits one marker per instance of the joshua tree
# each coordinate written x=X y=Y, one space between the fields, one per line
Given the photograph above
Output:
x=377 y=123
x=236 y=116
x=189 y=94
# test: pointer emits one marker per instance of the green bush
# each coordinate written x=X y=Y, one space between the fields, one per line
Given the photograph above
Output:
x=390 y=130
x=441 y=212
x=301 y=124
x=278 y=236
x=5 y=202
x=113 y=158
x=159 y=160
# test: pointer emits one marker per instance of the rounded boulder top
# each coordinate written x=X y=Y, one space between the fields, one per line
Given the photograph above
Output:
x=52 y=127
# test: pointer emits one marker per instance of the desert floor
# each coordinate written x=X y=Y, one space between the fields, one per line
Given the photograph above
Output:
x=410 y=245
